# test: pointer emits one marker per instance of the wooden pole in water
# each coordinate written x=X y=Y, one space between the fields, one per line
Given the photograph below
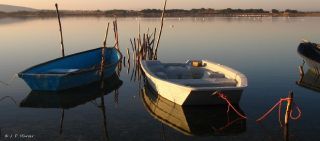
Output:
x=116 y=34
x=106 y=36
x=103 y=109
x=289 y=107
x=153 y=43
x=162 y=17
x=102 y=65
x=61 y=37
x=128 y=54
x=287 y=116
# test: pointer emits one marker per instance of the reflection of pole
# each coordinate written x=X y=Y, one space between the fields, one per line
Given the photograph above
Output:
x=102 y=106
x=286 y=133
x=128 y=69
x=103 y=109
x=163 y=132
x=61 y=121
x=116 y=97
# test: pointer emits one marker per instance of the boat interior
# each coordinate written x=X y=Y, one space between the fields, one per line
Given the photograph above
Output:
x=192 y=73
x=87 y=60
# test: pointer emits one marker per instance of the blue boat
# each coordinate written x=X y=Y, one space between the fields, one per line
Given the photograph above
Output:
x=71 y=71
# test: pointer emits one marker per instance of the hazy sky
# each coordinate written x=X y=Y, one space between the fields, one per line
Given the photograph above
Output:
x=306 y=5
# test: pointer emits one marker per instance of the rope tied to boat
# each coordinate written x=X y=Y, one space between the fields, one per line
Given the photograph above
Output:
x=279 y=104
x=10 y=81
x=225 y=98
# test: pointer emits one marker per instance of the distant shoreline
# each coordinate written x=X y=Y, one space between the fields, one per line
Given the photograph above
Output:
x=169 y=13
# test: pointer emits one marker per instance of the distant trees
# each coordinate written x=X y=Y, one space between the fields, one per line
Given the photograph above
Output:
x=156 y=12
x=146 y=11
x=233 y=11
x=291 y=11
x=275 y=11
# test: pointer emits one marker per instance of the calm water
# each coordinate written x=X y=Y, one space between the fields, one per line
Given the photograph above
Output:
x=263 y=49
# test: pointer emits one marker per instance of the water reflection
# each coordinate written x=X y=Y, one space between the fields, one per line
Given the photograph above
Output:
x=73 y=98
x=310 y=80
x=10 y=20
x=193 y=120
x=9 y=98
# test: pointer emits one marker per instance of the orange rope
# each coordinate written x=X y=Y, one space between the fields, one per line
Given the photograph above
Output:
x=222 y=96
x=279 y=104
x=227 y=125
x=299 y=112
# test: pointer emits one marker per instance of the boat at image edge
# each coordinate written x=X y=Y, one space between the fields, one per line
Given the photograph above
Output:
x=71 y=71
x=310 y=80
x=310 y=52
x=194 y=82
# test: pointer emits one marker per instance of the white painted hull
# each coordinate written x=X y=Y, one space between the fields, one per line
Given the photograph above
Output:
x=184 y=95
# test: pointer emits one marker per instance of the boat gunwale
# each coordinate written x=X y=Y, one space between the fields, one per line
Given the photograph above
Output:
x=153 y=76
x=22 y=73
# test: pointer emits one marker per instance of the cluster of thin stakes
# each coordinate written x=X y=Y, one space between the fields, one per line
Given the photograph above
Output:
x=144 y=47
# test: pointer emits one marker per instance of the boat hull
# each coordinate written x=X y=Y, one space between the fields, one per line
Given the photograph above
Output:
x=57 y=82
x=183 y=96
x=311 y=55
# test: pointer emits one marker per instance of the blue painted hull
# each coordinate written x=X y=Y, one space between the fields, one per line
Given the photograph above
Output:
x=71 y=71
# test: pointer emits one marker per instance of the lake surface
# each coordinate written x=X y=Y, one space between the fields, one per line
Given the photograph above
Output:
x=264 y=49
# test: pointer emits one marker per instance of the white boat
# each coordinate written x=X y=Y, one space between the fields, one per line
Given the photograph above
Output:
x=194 y=82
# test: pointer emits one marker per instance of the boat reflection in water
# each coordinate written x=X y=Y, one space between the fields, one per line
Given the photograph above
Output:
x=193 y=120
x=310 y=80
x=73 y=97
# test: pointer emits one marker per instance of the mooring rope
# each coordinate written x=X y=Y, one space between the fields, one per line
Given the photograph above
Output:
x=226 y=125
x=225 y=98
x=10 y=81
x=279 y=104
